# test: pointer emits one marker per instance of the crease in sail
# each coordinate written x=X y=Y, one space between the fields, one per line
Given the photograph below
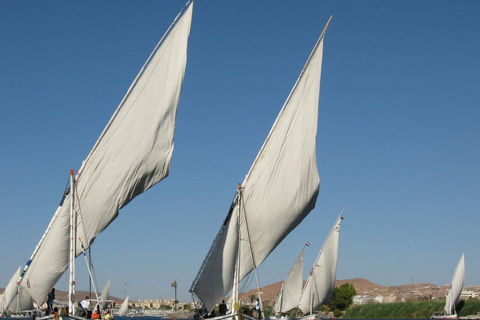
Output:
x=132 y=154
x=286 y=162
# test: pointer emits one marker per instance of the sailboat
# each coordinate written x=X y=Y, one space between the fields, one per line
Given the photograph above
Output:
x=321 y=282
x=291 y=290
x=103 y=300
x=279 y=190
x=458 y=281
x=132 y=154
x=14 y=299
x=123 y=311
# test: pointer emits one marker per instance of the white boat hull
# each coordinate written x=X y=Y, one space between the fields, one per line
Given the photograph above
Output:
x=310 y=317
x=232 y=317
x=69 y=317
x=444 y=316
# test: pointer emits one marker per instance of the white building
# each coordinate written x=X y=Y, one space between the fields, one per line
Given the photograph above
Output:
x=469 y=294
x=362 y=299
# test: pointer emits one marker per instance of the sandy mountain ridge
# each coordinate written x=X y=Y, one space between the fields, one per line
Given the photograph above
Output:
x=363 y=287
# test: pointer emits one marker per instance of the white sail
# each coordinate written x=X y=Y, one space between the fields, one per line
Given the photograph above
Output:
x=280 y=189
x=457 y=286
x=321 y=281
x=132 y=154
x=104 y=296
x=123 y=308
x=22 y=302
x=292 y=287
x=10 y=291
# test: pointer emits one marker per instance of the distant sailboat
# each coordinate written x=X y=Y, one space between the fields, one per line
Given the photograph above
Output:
x=15 y=299
x=103 y=300
x=132 y=154
x=123 y=311
x=321 y=282
x=10 y=292
x=291 y=290
x=279 y=190
x=319 y=285
x=458 y=281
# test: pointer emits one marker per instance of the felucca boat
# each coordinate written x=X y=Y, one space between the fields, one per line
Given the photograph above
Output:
x=456 y=288
x=278 y=192
x=132 y=154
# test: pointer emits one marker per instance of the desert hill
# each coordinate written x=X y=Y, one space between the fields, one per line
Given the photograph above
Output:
x=363 y=287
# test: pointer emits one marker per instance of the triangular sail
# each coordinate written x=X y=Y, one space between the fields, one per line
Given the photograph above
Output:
x=10 y=291
x=292 y=287
x=132 y=154
x=22 y=302
x=123 y=308
x=321 y=281
x=458 y=281
x=280 y=189
x=104 y=296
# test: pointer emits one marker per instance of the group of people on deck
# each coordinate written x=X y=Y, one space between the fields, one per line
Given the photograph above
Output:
x=222 y=310
x=83 y=309
x=96 y=313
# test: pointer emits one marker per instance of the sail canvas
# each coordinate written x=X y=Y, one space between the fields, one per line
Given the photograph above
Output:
x=458 y=281
x=279 y=190
x=132 y=154
x=291 y=288
x=321 y=282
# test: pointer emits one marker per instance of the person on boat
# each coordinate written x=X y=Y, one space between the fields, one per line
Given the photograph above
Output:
x=108 y=315
x=85 y=303
x=257 y=308
x=96 y=313
x=222 y=308
x=50 y=298
x=63 y=311
x=212 y=314
x=55 y=314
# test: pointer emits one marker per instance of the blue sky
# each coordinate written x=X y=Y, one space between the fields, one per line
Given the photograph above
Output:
x=398 y=136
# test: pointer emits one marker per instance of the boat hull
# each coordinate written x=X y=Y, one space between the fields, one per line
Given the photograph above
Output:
x=311 y=317
x=232 y=317
x=444 y=316
x=69 y=317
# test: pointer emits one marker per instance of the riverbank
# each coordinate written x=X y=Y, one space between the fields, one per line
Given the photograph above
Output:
x=410 y=310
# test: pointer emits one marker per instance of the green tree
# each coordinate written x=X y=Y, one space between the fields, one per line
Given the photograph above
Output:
x=342 y=297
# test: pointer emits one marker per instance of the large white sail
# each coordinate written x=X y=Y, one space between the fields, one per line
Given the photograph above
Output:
x=321 y=281
x=132 y=154
x=280 y=189
x=292 y=287
x=123 y=308
x=458 y=281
